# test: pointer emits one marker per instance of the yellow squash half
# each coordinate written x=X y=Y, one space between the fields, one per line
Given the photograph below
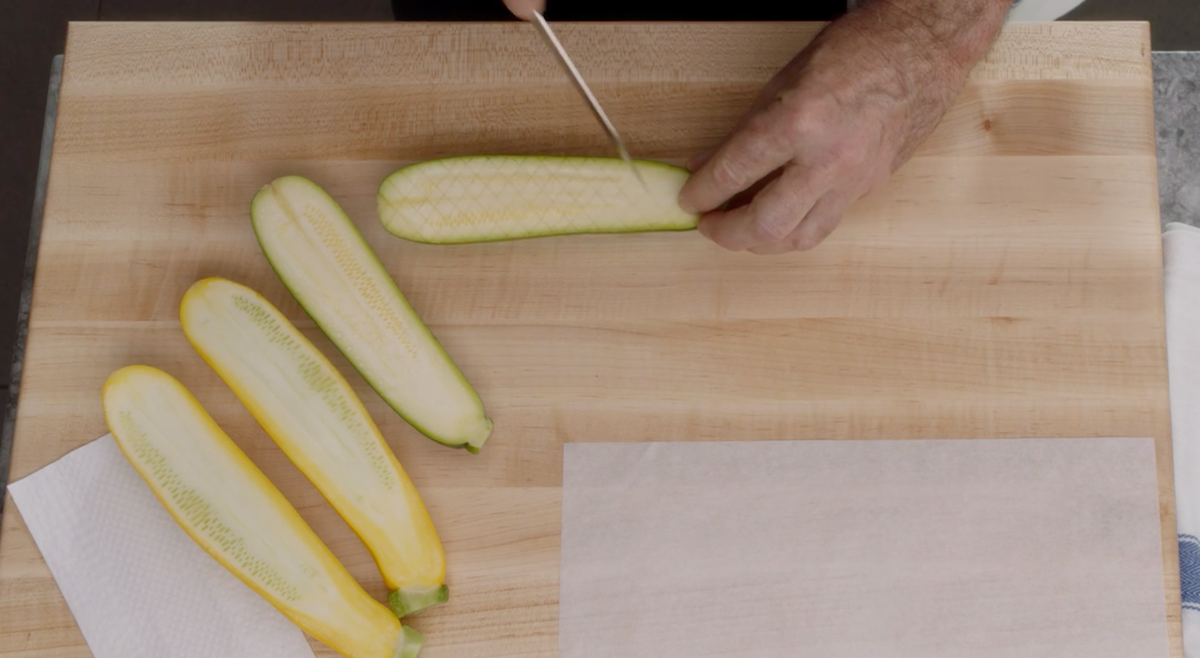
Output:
x=226 y=504
x=314 y=415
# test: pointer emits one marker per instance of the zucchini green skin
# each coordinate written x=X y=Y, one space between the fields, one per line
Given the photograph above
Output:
x=362 y=354
x=449 y=200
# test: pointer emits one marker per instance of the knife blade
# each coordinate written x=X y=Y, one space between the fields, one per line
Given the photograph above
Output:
x=576 y=78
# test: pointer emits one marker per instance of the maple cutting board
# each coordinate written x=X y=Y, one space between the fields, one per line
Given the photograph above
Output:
x=1006 y=283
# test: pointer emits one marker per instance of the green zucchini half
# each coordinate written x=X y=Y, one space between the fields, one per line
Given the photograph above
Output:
x=324 y=261
x=488 y=198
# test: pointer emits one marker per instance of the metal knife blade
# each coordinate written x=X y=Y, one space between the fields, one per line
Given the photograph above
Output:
x=594 y=104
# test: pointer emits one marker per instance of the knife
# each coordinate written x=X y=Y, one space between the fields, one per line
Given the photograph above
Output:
x=594 y=104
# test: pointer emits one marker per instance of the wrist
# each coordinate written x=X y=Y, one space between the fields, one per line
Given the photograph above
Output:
x=958 y=33
x=916 y=55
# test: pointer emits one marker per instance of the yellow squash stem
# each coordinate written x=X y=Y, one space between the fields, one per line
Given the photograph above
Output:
x=226 y=504
x=320 y=256
x=307 y=406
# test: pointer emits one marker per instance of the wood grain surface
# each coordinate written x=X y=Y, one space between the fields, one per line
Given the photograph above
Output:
x=1006 y=283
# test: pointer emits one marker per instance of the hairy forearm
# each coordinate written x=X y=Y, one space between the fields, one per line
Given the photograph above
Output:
x=956 y=32
x=915 y=54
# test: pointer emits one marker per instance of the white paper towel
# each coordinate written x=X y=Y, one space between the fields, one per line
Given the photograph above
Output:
x=137 y=584
x=1181 y=281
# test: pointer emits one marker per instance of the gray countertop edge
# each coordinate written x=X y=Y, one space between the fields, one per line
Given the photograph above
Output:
x=1177 y=133
x=1177 y=125
x=35 y=234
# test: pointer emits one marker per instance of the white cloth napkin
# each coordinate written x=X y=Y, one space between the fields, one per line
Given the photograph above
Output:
x=137 y=584
x=1181 y=280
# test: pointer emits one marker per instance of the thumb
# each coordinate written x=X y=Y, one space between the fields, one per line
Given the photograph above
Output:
x=523 y=9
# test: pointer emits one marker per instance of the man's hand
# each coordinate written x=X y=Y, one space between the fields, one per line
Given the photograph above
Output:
x=837 y=121
x=523 y=9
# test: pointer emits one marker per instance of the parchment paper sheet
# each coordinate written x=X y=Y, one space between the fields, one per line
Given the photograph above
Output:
x=870 y=549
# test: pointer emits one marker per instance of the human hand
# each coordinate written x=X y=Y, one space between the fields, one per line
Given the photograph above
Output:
x=523 y=9
x=836 y=121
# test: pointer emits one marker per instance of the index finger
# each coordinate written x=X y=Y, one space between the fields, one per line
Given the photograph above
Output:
x=751 y=152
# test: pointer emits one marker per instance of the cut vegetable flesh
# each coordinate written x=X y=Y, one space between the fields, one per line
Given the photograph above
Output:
x=506 y=197
x=321 y=257
x=226 y=504
x=310 y=410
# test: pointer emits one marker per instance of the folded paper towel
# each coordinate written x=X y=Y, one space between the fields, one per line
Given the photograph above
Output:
x=136 y=583
x=1181 y=282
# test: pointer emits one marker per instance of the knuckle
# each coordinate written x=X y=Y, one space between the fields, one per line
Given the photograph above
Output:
x=797 y=126
x=847 y=153
x=805 y=119
x=761 y=124
x=794 y=134
x=728 y=174
x=773 y=129
x=772 y=228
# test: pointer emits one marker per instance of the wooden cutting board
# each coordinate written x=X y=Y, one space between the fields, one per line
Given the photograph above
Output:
x=1006 y=283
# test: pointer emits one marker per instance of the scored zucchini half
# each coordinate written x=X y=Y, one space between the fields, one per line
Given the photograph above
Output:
x=230 y=508
x=324 y=261
x=309 y=409
x=486 y=198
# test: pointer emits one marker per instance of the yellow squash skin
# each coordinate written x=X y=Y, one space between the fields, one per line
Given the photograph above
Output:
x=230 y=508
x=307 y=406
